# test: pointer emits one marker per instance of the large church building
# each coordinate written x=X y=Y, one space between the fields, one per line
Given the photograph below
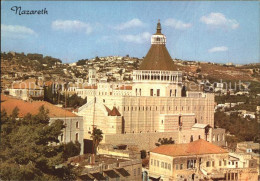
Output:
x=155 y=105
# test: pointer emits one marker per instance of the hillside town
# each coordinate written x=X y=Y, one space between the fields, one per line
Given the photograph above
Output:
x=150 y=118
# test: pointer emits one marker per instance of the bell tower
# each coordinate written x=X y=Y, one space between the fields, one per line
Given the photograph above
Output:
x=92 y=76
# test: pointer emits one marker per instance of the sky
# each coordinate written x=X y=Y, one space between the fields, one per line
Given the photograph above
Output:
x=211 y=31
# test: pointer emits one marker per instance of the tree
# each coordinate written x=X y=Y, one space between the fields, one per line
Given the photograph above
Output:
x=75 y=101
x=97 y=59
x=82 y=62
x=164 y=141
x=143 y=154
x=29 y=148
x=71 y=149
x=198 y=70
x=97 y=138
x=238 y=127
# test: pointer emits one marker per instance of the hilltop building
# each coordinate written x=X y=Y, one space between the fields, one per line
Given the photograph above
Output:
x=155 y=105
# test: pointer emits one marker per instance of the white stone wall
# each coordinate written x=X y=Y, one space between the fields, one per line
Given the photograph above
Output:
x=146 y=141
x=143 y=114
x=74 y=128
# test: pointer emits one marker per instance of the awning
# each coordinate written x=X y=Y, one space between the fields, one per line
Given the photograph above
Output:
x=123 y=172
x=154 y=177
x=111 y=174
x=98 y=176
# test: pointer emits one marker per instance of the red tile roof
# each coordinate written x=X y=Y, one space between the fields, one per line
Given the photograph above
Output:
x=108 y=110
x=114 y=112
x=198 y=147
x=8 y=103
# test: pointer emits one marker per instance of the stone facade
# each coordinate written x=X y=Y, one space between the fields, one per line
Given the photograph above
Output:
x=73 y=130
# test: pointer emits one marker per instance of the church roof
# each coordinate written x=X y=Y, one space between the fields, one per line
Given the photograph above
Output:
x=198 y=147
x=114 y=112
x=157 y=58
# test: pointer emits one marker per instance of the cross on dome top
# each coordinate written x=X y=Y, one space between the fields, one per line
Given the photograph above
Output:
x=158 y=27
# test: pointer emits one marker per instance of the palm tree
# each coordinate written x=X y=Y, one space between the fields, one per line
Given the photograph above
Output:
x=97 y=138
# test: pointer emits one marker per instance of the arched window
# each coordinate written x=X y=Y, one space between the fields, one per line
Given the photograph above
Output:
x=151 y=92
x=191 y=138
x=180 y=121
x=183 y=92
x=77 y=137
x=77 y=124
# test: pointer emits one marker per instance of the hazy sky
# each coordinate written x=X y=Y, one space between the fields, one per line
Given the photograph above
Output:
x=206 y=31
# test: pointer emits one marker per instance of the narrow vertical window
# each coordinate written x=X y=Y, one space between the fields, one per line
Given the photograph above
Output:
x=61 y=137
x=77 y=137
x=151 y=92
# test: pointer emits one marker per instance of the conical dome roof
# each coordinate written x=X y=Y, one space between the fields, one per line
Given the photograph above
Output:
x=158 y=57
